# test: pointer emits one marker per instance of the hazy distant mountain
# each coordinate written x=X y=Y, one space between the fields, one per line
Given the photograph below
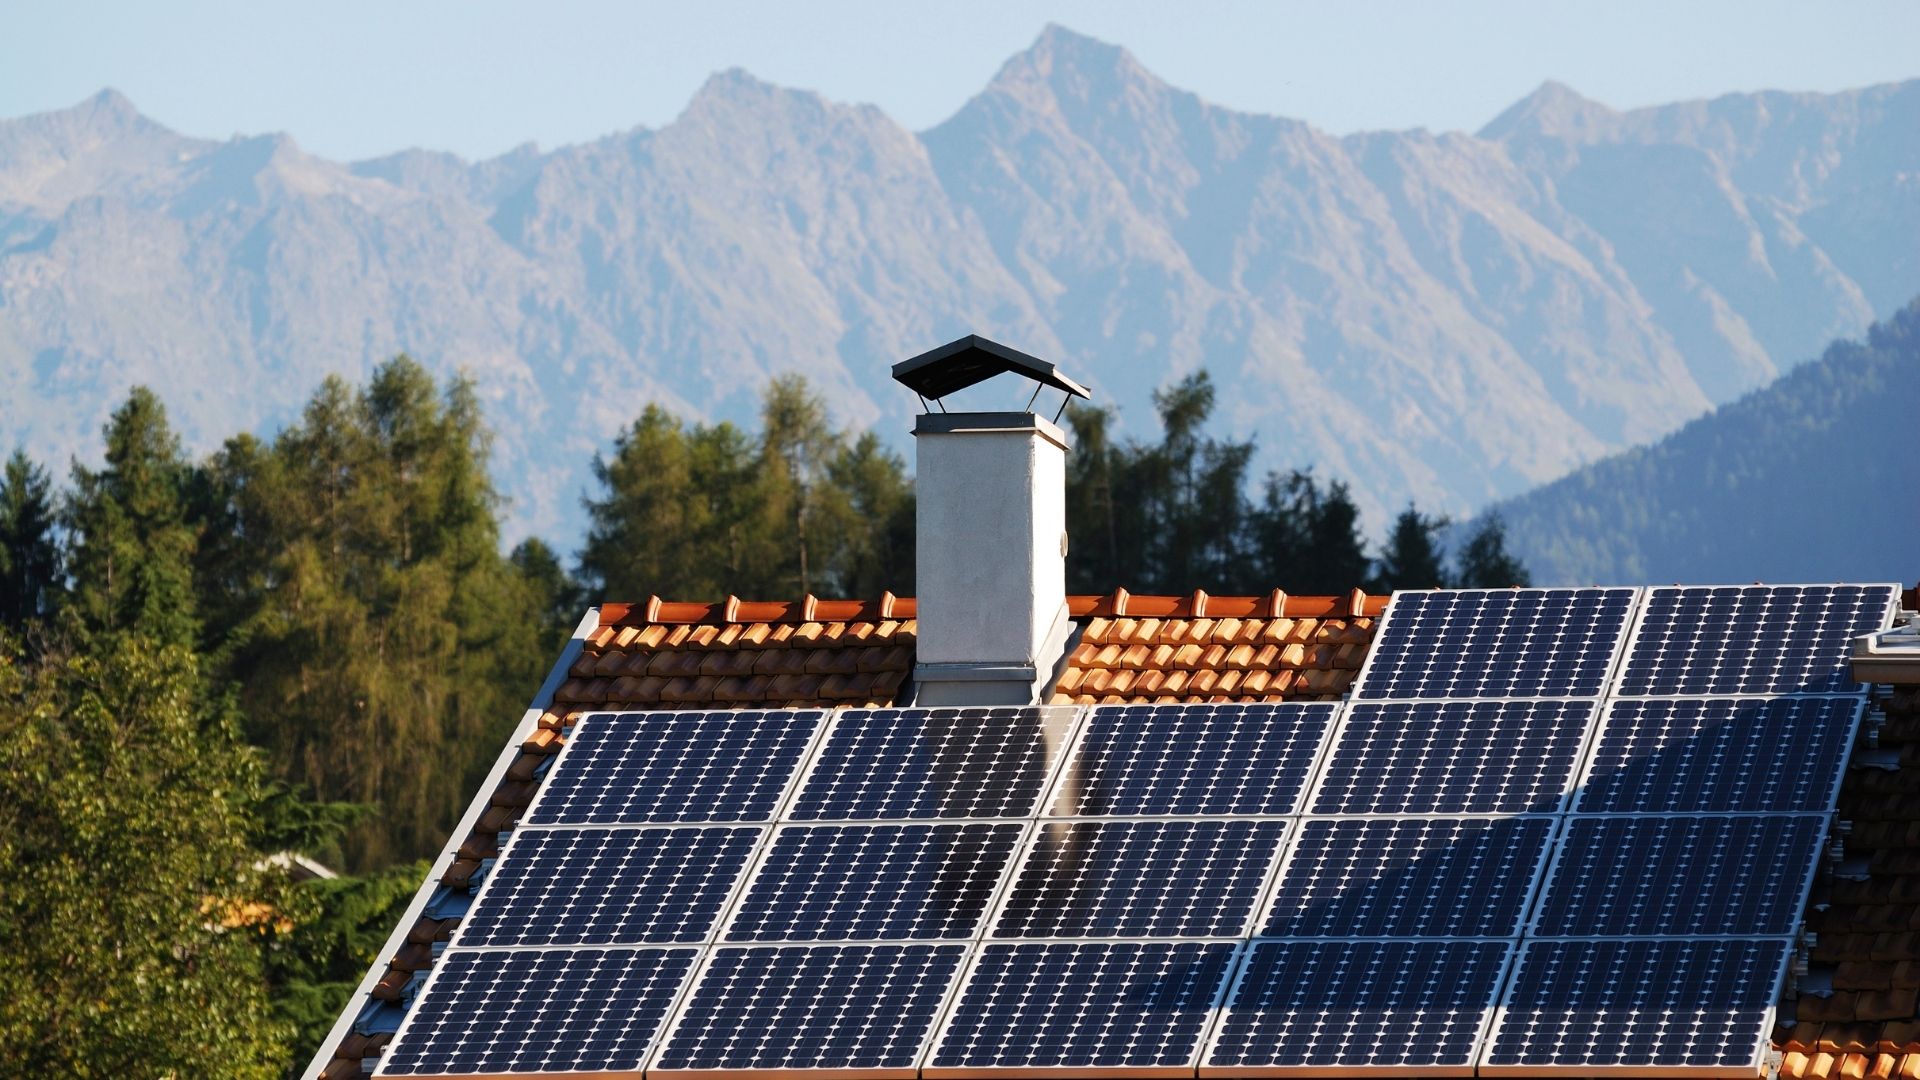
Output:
x=1809 y=479
x=1449 y=317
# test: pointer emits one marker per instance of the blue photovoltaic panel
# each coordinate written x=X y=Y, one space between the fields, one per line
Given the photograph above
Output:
x=545 y=1010
x=934 y=763
x=1193 y=759
x=1409 y=877
x=1627 y=1003
x=1452 y=757
x=1084 y=1005
x=609 y=886
x=1475 y=643
x=1140 y=879
x=1406 y=1006
x=636 y=768
x=855 y=882
x=1692 y=875
x=865 y=1007
x=1757 y=639
x=1725 y=754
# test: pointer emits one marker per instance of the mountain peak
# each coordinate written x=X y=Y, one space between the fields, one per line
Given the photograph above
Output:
x=1553 y=109
x=1069 y=65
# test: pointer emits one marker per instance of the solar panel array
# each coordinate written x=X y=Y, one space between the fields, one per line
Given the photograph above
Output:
x=1499 y=856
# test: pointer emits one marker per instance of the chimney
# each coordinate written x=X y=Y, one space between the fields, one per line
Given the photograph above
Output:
x=991 y=547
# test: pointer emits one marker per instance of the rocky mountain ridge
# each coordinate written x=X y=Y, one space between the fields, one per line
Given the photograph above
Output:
x=1454 y=318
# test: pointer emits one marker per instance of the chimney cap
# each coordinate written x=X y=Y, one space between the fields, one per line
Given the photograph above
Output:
x=973 y=359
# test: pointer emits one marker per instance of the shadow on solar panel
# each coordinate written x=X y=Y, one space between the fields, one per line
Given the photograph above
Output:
x=880 y=764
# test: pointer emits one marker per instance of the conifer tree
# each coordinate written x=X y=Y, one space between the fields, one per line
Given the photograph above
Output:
x=1485 y=563
x=133 y=546
x=29 y=553
x=1411 y=557
x=386 y=647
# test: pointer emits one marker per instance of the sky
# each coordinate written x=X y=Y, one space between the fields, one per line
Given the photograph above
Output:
x=352 y=80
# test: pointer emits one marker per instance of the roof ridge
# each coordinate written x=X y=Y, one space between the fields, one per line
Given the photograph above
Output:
x=1118 y=603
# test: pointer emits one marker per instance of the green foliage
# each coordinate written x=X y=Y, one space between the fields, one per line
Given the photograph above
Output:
x=1485 y=563
x=381 y=644
x=707 y=510
x=1171 y=516
x=132 y=551
x=557 y=597
x=315 y=966
x=131 y=909
x=1411 y=558
x=29 y=551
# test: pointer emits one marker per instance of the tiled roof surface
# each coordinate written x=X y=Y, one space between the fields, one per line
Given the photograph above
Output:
x=1223 y=648
x=1867 y=926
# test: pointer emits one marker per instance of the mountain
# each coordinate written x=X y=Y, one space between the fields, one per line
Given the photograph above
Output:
x=1808 y=479
x=1454 y=318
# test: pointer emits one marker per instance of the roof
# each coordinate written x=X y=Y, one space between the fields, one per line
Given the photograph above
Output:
x=760 y=654
x=1133 y=649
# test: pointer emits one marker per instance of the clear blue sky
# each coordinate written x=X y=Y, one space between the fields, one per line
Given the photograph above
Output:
x=352 y=80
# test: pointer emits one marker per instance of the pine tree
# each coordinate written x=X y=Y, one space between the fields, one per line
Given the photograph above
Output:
x=1411 y=558
x=133 y=546
x=131 y=909
x=29 y=553
x=556 y=595
x=1307 y=540
x=1484 y=562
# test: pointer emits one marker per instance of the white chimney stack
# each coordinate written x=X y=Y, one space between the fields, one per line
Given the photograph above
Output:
x=991 y=534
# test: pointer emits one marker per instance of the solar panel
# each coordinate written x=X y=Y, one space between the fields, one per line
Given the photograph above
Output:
x=538 y=1010
x=1725 y=754
x=636 y=768
x=1758 y=639
x=1409 y=877
x=1452 y=757
x=1141 y=879
x=1076 y=1006
x=1193 y=759
x=1631 y=1005
x=869 y=881
x=849 y=1008
x=661 y=885
x=1699 y=875
x=1477 y=643
x=1413 y=1007
x=934 y=763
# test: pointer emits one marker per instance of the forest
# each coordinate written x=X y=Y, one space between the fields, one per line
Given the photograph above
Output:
x=316 y=642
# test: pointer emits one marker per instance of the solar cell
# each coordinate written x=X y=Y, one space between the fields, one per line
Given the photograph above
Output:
x=661 y=884
x=934 y=763
x=542 y=1010
x=1629 y=1005
x=636 y=768
x=1140 y=879
x=1719 y=754
x=850 y=1008
x=1452 y=757
x=1076 y=1006
x=1381 y=1007
x=1669 y=876
x=861 y=881
x=1477 y=643
x=1193 y=759
x=1409 y=877
x=1758 y=639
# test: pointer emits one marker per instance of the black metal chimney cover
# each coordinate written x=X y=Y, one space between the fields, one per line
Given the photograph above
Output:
x=972 y=359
